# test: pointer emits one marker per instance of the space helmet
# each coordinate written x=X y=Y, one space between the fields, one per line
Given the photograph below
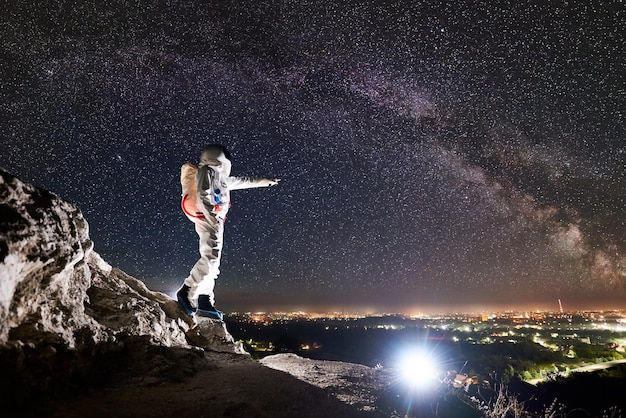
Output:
x=217 y=157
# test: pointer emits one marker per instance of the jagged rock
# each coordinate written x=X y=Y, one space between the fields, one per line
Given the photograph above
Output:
x=46 y=268
x=123 y=304
x=62 y=306
x=71 y=324
x=56 y=291
x=212 y=334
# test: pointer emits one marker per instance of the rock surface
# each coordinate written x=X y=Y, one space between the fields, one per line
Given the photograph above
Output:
x=81 y=338
x=57 y=290
x=353 y=384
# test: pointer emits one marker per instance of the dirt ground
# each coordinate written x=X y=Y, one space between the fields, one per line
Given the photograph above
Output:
x=234 y=387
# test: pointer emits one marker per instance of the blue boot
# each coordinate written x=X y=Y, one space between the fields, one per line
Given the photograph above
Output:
x=206 y=308
x=183 y=299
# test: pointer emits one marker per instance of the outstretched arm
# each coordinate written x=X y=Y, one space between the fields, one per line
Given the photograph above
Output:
x=235 y=183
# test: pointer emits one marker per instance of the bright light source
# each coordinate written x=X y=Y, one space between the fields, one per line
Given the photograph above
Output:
x=418 y=368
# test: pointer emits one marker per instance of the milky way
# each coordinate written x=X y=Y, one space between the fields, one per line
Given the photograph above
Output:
x=432 y=155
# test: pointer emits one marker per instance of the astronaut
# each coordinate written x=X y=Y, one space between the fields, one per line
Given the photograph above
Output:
x=206 y=200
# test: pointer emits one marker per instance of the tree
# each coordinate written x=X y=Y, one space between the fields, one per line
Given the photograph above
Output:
x=287 y=344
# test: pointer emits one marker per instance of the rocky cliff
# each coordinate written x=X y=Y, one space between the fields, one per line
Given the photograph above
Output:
x=79 y=337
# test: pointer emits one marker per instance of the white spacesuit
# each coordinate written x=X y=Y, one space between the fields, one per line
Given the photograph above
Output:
x=205 y=201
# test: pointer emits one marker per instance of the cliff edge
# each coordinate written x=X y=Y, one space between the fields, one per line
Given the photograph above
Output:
x=79 y=337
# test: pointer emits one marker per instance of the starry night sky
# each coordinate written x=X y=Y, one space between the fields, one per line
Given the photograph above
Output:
x=433 y=155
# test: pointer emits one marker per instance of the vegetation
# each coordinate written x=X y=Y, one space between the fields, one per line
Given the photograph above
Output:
x=498 y=359
x=507 y=405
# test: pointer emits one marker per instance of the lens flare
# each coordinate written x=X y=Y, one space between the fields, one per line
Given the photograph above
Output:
x=418 y=368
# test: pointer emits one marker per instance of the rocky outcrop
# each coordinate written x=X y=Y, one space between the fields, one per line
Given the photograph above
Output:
x=45 y=269
x=67 y=315
x=81 y=338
